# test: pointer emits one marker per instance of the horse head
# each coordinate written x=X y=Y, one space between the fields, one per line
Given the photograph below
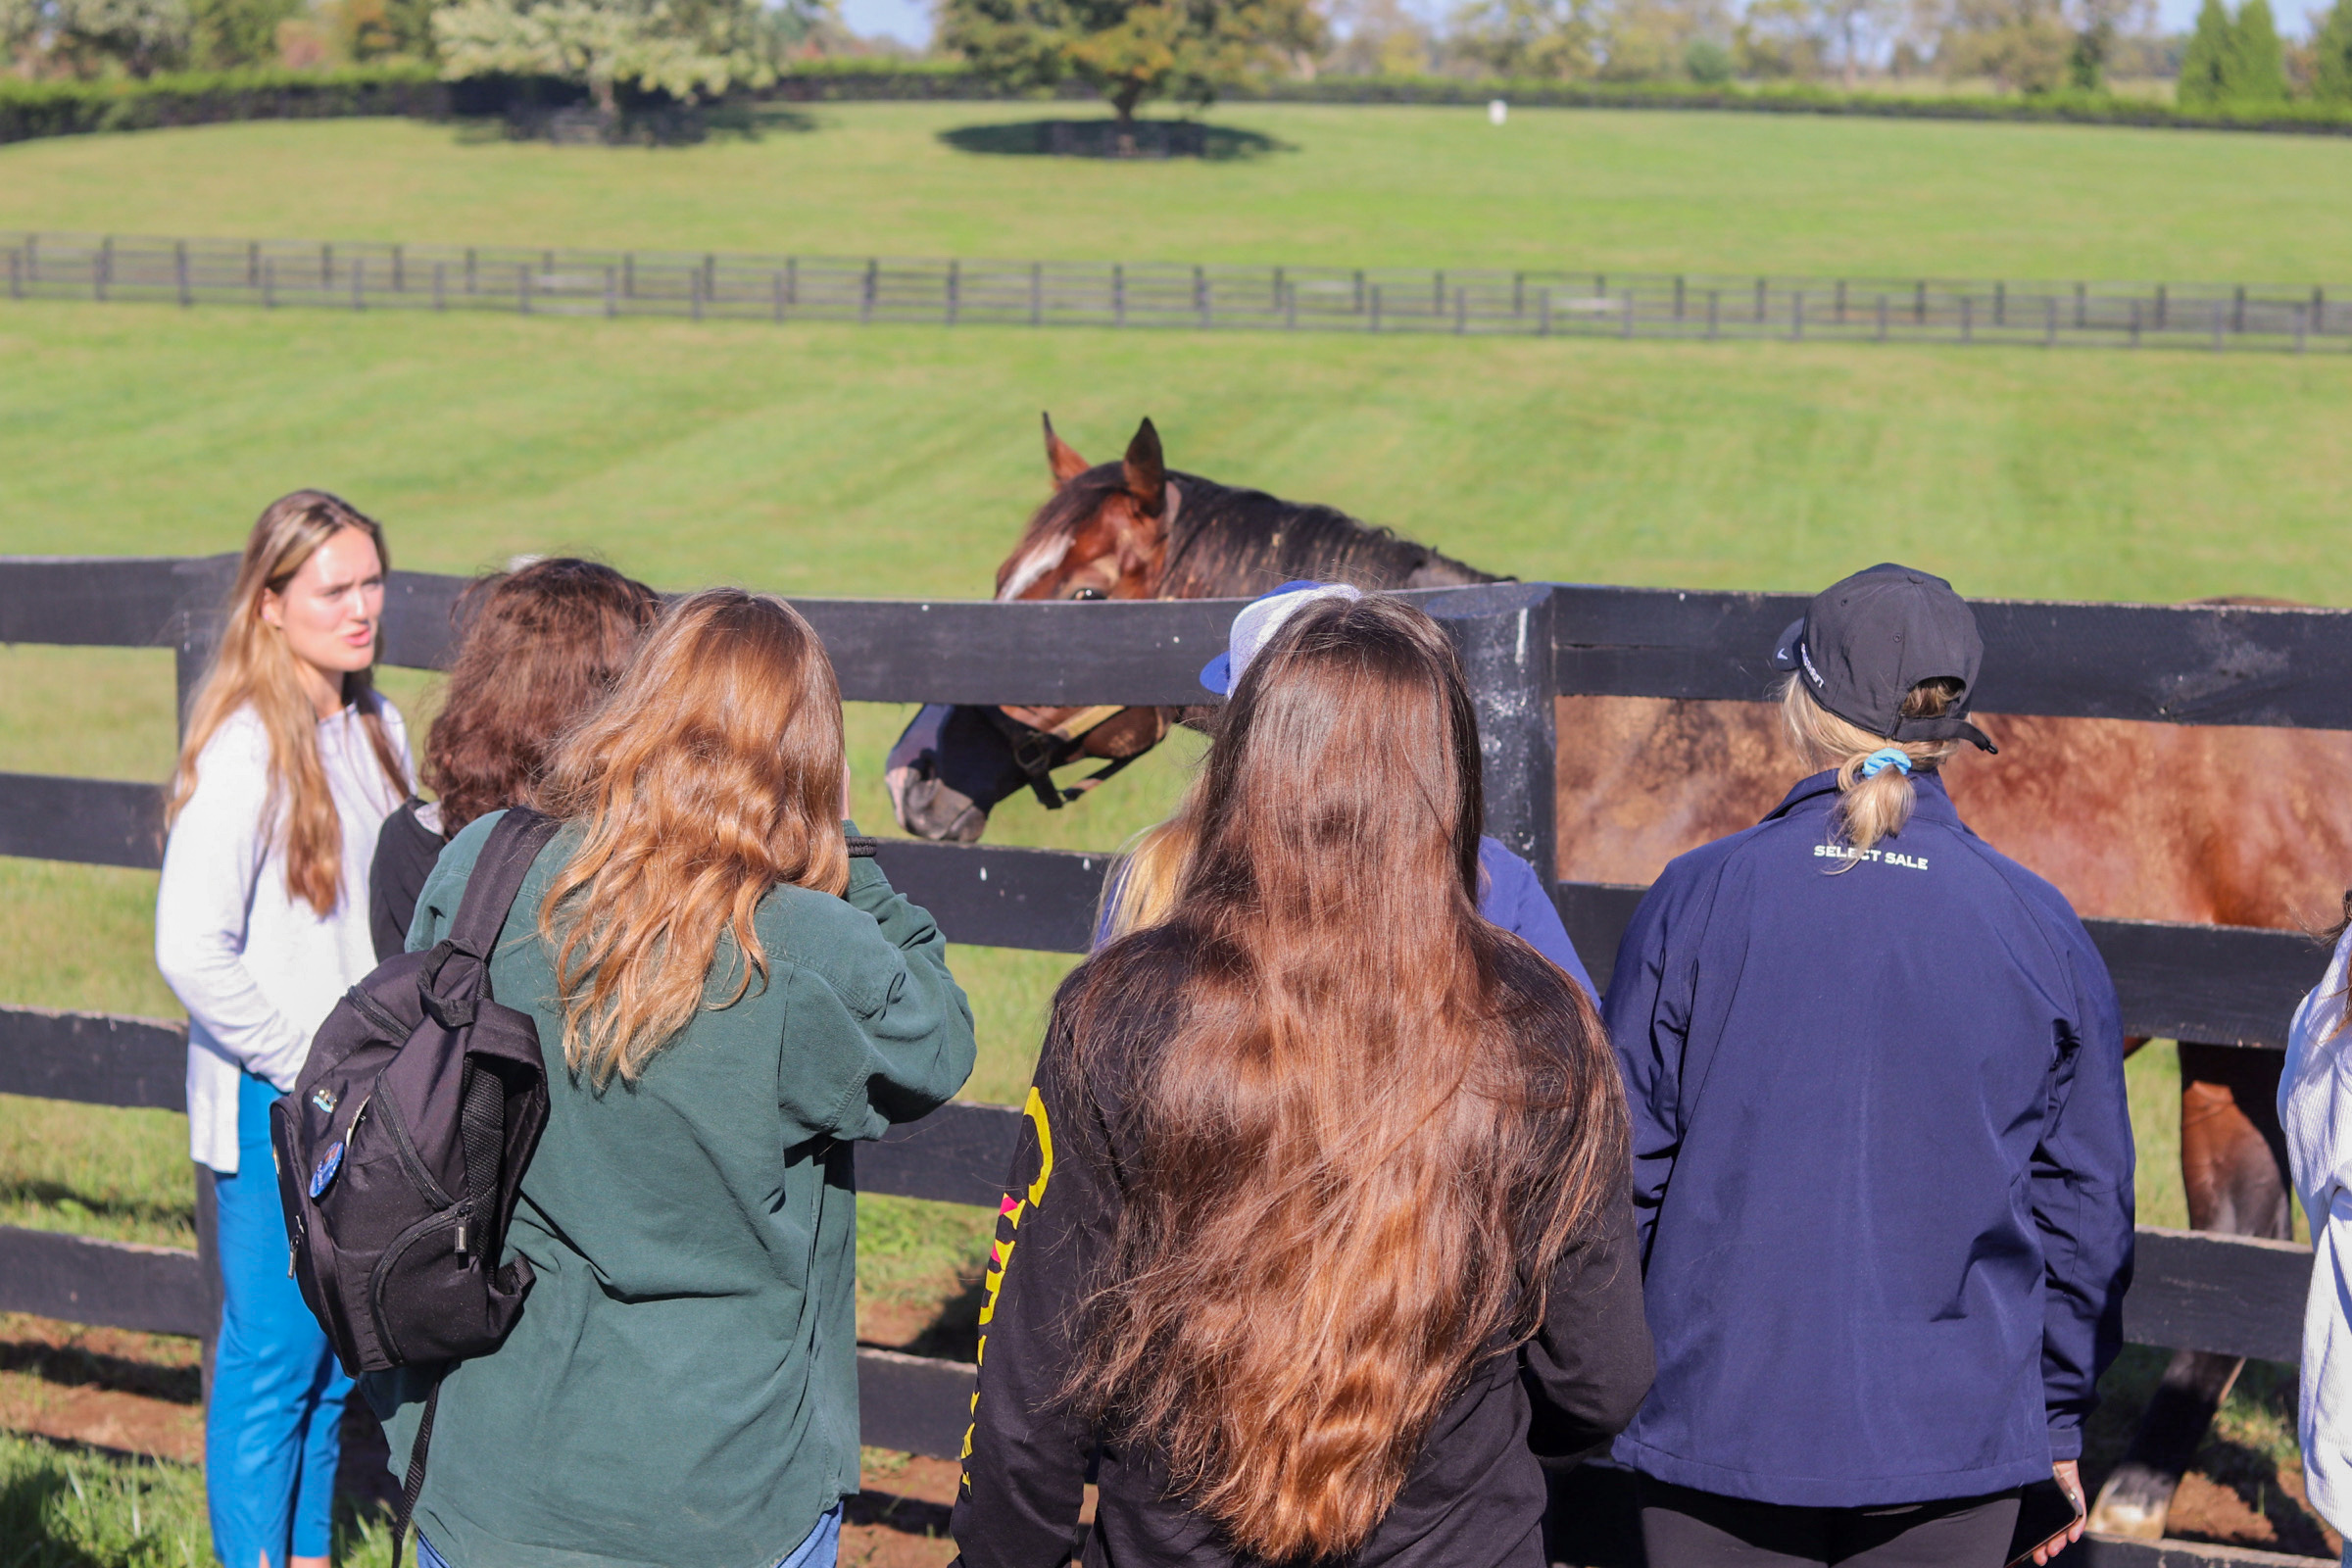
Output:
x=1102 y=535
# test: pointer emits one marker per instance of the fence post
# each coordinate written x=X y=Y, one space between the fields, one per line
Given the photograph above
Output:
x=2237 y=315
x=1436 y=292
x=955 y=289
x=179 y=274
x=1518 y=294
x=469 y=270
x=792 y=280
x=326 y=266
x=710 y=276
x=612 y=293
x=1118 y=294
x=2049 y=322
x=1796 y=315
x=1919 y=303
x=440 y=286
x=2000 y=304
x=2318 y=310
x=33 y=258
x=1763 y=288
x=865 y=294
x=1677 y=296
x=253 y=264
x=1504 y=633
x=2082 y=307
x=102 y=271
x=2163 y=307
x=1359 y=291
x=1274 y=298
x=1037 y=293
x=2136 y=324
x=1841 y=302
x=628 y=274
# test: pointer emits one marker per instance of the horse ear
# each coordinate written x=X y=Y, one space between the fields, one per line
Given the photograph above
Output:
x=1146 y=473
x=1065 y=463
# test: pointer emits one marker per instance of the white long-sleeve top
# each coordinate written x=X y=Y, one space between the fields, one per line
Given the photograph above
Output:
x=2315 y=1109
x=256 y=968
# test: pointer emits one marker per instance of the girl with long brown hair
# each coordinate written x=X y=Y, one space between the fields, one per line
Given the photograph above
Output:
x=1318 y=1235
x=291 y=763
x=542 y=645
x=727 y=993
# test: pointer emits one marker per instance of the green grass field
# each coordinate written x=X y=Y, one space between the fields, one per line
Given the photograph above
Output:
x=901 y=461
x=1350 y=185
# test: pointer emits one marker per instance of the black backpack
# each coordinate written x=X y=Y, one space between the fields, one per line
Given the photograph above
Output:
x=401 y=1151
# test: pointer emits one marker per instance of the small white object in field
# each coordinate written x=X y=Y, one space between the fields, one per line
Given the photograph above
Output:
x=1497 y=111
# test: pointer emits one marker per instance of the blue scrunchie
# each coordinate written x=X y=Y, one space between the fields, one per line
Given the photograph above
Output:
x=1878 y=761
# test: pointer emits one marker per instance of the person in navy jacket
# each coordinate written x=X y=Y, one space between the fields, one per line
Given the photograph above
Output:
x=1882 y=1160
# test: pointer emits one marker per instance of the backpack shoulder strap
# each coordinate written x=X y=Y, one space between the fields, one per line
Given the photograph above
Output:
x=498 y=873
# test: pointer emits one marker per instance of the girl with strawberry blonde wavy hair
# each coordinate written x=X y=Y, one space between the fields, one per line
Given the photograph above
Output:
x=1318 y=1235
x=728 y=992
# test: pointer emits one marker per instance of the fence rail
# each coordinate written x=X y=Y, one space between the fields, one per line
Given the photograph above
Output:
x=1523 y=645
x=362 y=275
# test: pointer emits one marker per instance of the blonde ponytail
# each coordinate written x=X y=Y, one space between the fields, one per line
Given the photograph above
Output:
x=1875 y=808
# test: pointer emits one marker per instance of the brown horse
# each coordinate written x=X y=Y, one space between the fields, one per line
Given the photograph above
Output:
x=2236 y=826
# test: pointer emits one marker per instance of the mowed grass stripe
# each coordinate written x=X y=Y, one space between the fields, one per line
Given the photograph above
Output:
x=1351 y=185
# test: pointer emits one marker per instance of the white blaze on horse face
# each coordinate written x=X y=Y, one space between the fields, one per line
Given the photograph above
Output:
x=1040 y=561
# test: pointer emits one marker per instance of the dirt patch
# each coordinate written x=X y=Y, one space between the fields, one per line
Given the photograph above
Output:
x=136 y=1392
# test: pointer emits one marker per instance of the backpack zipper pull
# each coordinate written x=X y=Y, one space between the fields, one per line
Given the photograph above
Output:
x=461 y=1235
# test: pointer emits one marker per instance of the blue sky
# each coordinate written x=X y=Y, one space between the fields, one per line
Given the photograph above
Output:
x=910 y=21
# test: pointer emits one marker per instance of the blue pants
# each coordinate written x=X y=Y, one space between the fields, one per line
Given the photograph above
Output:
x=818 y=1550
x=271 y=1438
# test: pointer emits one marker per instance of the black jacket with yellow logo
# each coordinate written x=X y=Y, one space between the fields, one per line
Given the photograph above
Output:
x=1475 y=1495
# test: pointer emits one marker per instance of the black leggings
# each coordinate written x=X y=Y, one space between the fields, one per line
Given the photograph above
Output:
x=1686 y=1528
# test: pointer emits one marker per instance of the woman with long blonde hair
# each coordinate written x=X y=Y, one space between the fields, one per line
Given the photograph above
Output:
x=290 y=765
x=1882 y=1152
x=1317 y=1235
x=728 y=992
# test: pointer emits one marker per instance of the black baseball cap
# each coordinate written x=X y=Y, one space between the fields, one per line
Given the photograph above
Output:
x=1865 y=642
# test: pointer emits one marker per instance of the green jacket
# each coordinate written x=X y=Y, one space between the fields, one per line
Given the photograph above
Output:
x=681 y=1389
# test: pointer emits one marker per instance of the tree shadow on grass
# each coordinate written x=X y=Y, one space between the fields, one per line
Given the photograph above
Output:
x=659 y=126
x=1142 y=140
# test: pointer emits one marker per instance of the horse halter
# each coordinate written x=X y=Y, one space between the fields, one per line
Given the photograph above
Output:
x=1036 y=753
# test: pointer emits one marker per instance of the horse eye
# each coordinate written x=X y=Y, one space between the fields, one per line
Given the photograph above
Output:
x=1087 y=593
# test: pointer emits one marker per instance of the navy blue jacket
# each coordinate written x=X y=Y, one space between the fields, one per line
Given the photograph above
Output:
x=1881 y=1162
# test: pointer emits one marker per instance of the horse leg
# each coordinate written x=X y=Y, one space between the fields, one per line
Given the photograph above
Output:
x=2233 y=1164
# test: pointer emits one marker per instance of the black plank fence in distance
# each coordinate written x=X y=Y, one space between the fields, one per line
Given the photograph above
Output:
x=935 y=291
x=1522 y=643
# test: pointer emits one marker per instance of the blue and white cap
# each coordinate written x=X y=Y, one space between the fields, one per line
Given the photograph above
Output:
x=1257 y=622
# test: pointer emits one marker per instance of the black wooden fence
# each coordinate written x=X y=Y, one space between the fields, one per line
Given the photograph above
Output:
x=1523 y=643
x=932 y=291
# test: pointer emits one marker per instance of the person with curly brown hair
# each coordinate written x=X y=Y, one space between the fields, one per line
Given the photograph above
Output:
x=542 y=646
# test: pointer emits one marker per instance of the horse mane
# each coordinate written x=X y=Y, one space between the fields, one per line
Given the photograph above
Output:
x=1229 y=543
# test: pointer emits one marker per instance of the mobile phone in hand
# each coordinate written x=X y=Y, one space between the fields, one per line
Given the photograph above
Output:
x=2044 y=1515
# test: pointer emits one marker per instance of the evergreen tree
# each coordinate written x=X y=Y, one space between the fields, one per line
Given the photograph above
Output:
x=2206 y=68
x=2332 y=50
x=2257 y=64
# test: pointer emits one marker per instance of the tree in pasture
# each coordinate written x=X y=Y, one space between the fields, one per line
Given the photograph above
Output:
x=2025 y=45
x=225 y=35
x=1853 y=28
x=2206 y=67
x=1779 y=38
x=90 y=38
x=689 y=49
x=2258 y=65
x=1130 y=51
x=1379 y=38
x=2331 y=56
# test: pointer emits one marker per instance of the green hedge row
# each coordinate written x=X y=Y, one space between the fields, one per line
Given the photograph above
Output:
x=30 y=109
x=60 y=109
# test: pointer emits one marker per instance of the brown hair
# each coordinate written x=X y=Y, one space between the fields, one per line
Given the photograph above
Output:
x=1875 y=808
x=541 y=645
x=712 y=773
x=254 y=669
x=1370 y=1122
